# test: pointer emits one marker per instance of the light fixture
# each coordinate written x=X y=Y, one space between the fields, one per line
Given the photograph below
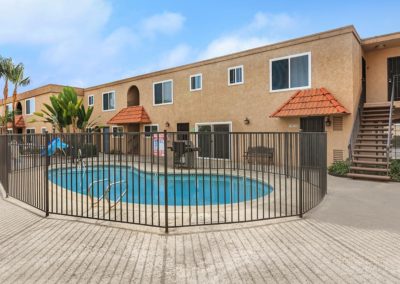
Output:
x=380 y=46
x=246 y=121
x=328 y=121
x=167 y=124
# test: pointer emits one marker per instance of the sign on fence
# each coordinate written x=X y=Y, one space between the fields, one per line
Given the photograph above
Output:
x=158 y=145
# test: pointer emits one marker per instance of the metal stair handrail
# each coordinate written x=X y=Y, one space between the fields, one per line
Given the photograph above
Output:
x=389 y=140
x=356 y=124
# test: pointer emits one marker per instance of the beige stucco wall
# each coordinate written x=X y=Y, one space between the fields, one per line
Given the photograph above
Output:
x=333 y=59
x=377 y=81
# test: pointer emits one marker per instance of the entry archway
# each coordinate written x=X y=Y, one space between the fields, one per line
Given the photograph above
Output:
x=133 y=96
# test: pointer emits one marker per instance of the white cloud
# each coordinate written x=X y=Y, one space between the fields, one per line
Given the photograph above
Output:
x=166 y=23
x=265 y=28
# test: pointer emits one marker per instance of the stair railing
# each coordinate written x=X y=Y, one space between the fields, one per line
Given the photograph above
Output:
x=389 y=140
x=357 y=123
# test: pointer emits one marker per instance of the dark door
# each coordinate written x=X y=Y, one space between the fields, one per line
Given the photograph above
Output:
x=183 y=131
x=106 y=140
x=312 y=124
x=394 y=70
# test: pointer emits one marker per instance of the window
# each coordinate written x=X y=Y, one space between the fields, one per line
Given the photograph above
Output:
x=117 y=131
x=183 y=131
x=235 y=75
x=108 y=101
x=9 y=131
x=213 y=140
x=150 y=129
x=163 y=92
x=9 y=107
x=91 y=100
x=30 y=106
x=44 y=130
x=292 y=72
x=30 y=135
x=196 y=82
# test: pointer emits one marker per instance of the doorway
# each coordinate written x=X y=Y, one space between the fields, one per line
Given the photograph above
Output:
x=106 y=140
x=183 y=131
x=394 y=70
x=312 y=124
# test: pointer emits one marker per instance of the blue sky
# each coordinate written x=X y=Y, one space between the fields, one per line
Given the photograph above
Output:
x=89 y=42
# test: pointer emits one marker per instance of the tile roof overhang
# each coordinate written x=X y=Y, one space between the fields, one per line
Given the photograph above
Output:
x=19 y=121
x=128 y=115
x=311 y=102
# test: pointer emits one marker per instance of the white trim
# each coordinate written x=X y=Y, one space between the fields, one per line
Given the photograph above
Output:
x=30 y=128
x=112 y=131
x=152 y=124
x=288 y=57
x=201 y=82
x=235 y=67
x=172 y=92
x=10 y=131
x=41 y=129
x=102 y=101
x=34 y=106
x=91 y=96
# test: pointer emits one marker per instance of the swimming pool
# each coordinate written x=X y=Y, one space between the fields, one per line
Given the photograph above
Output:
x=129 y=185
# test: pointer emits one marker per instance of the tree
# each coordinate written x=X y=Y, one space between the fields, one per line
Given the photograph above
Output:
x=19 y=80
x=6 y=67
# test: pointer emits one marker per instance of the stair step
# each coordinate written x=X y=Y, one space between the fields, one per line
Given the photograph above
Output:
x=380 y=157
x=368 y=115
x=377 y=124
x=373 y=129
x=371 y=177
x=371 y=110
x=372 y=139
x=375 y=119
x=377 y=105
x=370 y=150
x=356 y=161
x=373 y=134
x=367 y=169
x=370 y=145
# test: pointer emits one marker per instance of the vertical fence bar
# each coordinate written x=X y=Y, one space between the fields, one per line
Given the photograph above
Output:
x=166 y=180
x=301 y=176
x=46 y=173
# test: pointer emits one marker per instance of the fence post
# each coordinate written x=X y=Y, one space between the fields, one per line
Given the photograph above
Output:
x=301 y=176
x=46 y=183
x=7 y=164
x=165 y=180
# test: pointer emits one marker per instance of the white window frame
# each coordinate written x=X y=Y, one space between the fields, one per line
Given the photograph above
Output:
x=150 y=136
x=102 y=101
x=117 y=136
x=289 y=57
x=92 y=96
x=30 y=128
x=34 y=105
x=172 y=92
x=201 y=82
x=196 y=126
x=43 y=128
x=10 y=131
x=236 y=83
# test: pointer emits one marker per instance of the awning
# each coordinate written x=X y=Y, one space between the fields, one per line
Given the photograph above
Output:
x=128 y=115
x=311 y=102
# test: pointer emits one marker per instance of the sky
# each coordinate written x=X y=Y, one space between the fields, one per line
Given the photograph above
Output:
x=88 y=42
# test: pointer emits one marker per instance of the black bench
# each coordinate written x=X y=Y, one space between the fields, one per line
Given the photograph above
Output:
x=259 y=155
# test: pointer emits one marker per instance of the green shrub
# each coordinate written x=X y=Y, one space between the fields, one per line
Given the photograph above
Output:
x=340 y=168
x=395 y=170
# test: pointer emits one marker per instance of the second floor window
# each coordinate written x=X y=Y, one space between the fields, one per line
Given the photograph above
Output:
x=235 y=75
x=9 y=107
x=91 y=100
x=163 y=92
x=195 y=82
x=29 y=106
x=109 y=101
x=292 y=72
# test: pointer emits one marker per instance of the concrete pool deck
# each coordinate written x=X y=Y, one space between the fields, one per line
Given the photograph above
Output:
x=352 y=236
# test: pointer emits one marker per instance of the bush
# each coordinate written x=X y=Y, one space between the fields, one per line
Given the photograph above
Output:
x=395 y=170
x=340 y=168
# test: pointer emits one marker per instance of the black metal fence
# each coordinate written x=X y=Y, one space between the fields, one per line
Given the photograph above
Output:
x=167 y=179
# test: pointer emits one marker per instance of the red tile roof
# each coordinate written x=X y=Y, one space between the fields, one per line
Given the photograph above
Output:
x=310 y=102
x=133 y=114
x=19 y=121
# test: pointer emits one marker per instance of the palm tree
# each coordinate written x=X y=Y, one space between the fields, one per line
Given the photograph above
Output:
x=84 y=116
x=6 y=67
x=18 y=79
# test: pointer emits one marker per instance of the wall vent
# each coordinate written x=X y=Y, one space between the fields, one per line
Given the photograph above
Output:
x=337 y=123
x=337 y=155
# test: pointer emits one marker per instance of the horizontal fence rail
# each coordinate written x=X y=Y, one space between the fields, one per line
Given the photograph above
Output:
x=167 y=179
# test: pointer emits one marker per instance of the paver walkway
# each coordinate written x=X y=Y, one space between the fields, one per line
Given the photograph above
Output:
x=353 y=236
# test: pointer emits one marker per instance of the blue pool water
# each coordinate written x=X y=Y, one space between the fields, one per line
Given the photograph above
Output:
x=148 y=188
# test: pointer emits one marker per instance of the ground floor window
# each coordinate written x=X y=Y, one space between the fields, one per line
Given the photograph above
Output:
x=150 y=129
x=118 y=131
x=30 y=135
x=214 y=140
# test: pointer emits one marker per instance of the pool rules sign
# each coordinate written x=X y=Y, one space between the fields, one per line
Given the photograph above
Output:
x=158 y=144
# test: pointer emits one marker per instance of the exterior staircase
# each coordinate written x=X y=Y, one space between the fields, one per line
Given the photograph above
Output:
x=370 y=156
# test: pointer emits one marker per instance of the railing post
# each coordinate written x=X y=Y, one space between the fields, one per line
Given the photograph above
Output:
x=301 y=140
x=46 y=183
x=165 y=180
x=7 y=165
